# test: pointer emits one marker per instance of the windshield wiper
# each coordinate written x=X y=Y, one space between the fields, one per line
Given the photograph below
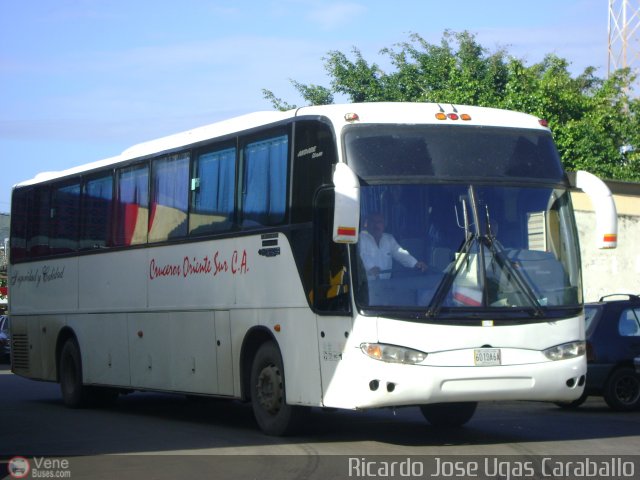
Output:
x=452 y=273
x=520 y=280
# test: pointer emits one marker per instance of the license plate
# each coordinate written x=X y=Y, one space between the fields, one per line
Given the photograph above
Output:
x=487 y=357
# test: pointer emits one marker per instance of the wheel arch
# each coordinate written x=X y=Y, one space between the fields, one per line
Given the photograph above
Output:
x=254 y=338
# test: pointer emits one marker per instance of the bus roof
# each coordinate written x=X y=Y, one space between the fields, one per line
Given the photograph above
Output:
x=339 y=114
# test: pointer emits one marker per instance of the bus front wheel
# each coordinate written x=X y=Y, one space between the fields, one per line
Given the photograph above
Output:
x=74 y=393
x=273 y=415
x=448 y=414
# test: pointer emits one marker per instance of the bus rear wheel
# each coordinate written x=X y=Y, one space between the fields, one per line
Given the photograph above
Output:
x=273 y=415
x=74 y=393
x=448 y=414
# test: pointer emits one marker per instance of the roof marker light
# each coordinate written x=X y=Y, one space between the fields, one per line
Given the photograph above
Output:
x=441 y=116
x=351 y=117
x=466 y=117
x=453 y=116
x=543 y=122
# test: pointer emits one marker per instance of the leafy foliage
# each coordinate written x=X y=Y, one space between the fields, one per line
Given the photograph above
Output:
x=595 y=121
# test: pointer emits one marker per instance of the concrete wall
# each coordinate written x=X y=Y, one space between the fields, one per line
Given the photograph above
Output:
x=610 y=271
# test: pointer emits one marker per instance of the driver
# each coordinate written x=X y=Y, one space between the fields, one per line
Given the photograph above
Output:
x=378 y=250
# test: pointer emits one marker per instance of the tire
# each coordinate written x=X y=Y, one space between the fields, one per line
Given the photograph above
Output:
x=273 y=415
x=74 y=393
x=622 y=390
x=448 y=414
x=574 y=404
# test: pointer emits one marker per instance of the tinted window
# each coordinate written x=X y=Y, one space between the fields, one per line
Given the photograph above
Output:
x=96 y=212
x=169 y=198
x=213 y=191
x=264 y=188
x=591 y=314
x=331 y=266
x=313 y=158
x=39 y=216
x=65 y=226
x=19 y=205
x=450 y=151
x=628 y=324
x=132 y=206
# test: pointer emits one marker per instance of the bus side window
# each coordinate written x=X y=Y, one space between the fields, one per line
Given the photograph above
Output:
x=97 y=196
x=38 y=223
x=264 y=181
x=169 y=197
x=331 y=262
x=65 y=215
x=132 y=205
x=313 y=158
x=212 y=191
x=19 y=204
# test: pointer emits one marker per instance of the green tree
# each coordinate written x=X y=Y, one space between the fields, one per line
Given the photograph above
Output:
x=596 y=123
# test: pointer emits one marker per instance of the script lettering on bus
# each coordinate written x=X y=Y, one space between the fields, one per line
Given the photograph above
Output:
x=208 y=265
x=45 y=274
x=313 y=151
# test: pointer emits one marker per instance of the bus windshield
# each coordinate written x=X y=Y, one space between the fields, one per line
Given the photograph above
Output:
x=382 y=152
x=440 y=248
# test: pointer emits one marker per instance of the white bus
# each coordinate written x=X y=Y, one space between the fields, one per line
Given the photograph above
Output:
x=347 y=256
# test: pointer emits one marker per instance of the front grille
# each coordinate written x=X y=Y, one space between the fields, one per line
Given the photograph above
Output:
x=20 y=352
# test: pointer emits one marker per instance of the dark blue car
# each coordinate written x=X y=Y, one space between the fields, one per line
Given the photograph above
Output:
x=613 y=352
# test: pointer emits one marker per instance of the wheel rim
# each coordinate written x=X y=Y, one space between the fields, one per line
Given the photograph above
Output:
x=269 y=389
x=628 y=390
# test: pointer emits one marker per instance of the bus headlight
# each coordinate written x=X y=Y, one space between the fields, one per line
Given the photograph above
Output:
x=565 y=351
x=393 y=353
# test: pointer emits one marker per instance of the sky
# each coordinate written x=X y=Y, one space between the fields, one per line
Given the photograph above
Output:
x=82 y=80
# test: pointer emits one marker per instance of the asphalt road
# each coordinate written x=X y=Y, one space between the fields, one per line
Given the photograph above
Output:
x=167 y=436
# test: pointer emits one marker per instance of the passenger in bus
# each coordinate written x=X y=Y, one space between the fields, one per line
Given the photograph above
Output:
x=378 y=250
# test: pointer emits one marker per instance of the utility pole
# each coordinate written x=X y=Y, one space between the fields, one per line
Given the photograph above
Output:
x=624 y=36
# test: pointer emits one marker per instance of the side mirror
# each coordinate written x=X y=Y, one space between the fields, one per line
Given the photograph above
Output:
x=605 y=208
x=346 y=214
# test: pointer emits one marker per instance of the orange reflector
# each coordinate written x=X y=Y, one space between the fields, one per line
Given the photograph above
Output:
x=466 y=117
x=351 y=117
x=347 y=231
x=610 y=237
x=276 y=327
x=441 y=116
x=453 y=116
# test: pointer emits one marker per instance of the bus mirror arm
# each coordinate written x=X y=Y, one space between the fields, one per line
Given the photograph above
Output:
x=604 y=206
x=346 y=214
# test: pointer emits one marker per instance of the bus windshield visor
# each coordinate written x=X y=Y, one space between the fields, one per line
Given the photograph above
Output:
x=377 y=152
x=441 y=248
